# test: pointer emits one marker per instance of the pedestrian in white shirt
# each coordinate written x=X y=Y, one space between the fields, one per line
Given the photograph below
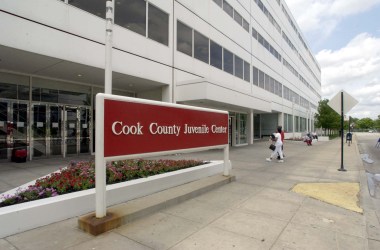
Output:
x=278 y=150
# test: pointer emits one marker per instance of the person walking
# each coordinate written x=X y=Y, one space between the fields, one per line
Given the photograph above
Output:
x=378 y=143
x=279 y=130
x=278 y=150
x=349 y=138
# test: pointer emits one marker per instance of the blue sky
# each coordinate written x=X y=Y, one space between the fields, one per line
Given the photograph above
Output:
x=344 y=36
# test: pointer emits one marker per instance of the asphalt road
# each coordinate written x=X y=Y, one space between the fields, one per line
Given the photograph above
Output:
x=366 y=143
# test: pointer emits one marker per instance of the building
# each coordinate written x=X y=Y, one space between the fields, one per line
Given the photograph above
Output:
x=245 y=56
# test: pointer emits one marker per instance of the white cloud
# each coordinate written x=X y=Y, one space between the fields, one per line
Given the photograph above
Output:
x=324 y=15
x=356 y=69
x=319 y=18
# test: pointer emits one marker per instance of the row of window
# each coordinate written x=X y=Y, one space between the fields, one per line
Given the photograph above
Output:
x=299 y=123
x=299 y=76
x=273 y=21
x=21 y=92
x=268 y=14
x=266 y=44
x=233 y=13
x=285 y=37
x=194 y=44
x=146 y=19
x=290 y=95
x=299 y=35
x=139 y=16
x=266 y=82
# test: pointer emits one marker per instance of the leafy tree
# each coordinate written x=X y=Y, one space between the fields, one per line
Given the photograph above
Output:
x=326 y=118
x=365 y=123
x=377 y=123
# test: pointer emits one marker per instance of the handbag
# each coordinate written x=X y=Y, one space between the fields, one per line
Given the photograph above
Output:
x=272 y=147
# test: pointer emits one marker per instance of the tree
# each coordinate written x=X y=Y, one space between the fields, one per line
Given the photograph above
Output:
x=377 y=123
x=365 y=123
x=326 y=118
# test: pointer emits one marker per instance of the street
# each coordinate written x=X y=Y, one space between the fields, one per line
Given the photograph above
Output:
x=366 y=144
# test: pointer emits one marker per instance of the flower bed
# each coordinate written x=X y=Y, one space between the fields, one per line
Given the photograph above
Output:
x=80 y=176
x=28 y=215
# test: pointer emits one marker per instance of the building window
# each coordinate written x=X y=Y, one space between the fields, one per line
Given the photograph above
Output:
x=96 y=7
x=238 y=67
x=254 y=33
x=267 y=82
x=158 y=25
x=228 y=9
x=216 y=55
x=228 y=61
x=218 y=2
x=255 y=76
x=201 y=45
x=131 y=14
x=238 y=18
x=247 y=73
x=8 y=90
x=261 y=79
x=184 y=39
x=245 y=25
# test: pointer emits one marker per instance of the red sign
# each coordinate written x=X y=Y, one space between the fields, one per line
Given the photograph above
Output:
x=137 y=128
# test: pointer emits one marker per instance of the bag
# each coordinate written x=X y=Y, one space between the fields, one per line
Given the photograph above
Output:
x=272 y=147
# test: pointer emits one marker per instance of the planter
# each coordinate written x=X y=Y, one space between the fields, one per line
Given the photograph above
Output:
x=323 y=138
x=25 y=216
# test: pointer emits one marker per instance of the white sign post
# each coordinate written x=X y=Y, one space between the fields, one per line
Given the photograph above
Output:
x=342 y=103
x=132 y=128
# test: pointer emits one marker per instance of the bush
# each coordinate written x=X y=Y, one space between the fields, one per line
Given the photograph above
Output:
x=81 y=176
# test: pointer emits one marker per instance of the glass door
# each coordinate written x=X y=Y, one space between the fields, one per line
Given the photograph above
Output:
x=19 y=133
x=55 y=124
x=39 y=130
x=71 y=130
x=230 y=131
x=5 y=129
x=84 y=130
x=256 y=126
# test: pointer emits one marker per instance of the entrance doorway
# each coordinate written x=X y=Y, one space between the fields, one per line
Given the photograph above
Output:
x=59 y=130
x=13 y=127
x=77 y=130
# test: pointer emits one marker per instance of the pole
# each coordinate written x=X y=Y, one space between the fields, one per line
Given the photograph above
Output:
x=108 y=52
x=100 y=171
x=342 y=131
x=226 y=161
x=100 y=164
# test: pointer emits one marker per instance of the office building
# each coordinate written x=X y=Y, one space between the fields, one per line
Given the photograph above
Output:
x=248 y=57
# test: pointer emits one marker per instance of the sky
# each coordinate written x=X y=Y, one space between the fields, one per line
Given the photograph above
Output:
x=344 y=36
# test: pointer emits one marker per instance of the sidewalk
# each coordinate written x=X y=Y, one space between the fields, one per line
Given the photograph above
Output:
x=257 y=211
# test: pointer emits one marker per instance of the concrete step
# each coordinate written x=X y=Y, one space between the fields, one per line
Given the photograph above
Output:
x=126 y=212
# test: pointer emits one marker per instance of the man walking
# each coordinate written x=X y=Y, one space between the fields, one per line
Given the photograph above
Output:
x=278 y=150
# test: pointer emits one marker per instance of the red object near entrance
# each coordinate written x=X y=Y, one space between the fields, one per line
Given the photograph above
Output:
x=137 y=128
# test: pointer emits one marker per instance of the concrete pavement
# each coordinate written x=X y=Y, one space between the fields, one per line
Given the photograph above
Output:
x=257 y=211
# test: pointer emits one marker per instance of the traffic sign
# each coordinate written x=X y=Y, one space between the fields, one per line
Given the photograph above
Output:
x=348 y=102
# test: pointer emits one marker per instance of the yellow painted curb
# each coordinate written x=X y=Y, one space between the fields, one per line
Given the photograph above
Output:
x=342 y=194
